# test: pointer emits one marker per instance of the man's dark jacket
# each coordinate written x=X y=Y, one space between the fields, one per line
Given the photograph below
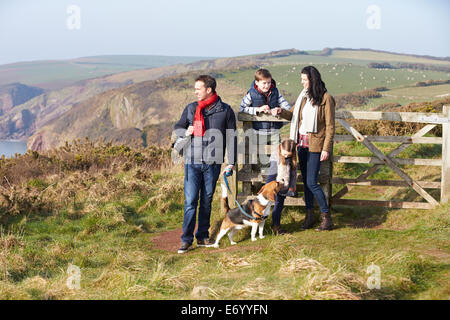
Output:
x=219 y=117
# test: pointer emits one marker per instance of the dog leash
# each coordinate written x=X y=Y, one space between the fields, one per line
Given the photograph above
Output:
x=227 y=174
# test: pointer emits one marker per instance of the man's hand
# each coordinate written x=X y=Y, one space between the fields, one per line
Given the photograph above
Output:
x=275 y=111
x=324 y=156
x=189 y=131
x=227 y=168
x=265 y=108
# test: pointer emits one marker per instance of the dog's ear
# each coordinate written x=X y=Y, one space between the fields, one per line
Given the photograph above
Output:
x=262 y=189
x=276 y=188
x=273 y=195
x=270 y=191
x=250 y=206
x=280 y=185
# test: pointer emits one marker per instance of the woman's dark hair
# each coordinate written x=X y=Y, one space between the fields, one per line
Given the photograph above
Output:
x=316 y=85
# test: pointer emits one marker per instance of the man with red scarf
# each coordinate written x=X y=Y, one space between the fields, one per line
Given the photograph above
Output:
x=211 y=124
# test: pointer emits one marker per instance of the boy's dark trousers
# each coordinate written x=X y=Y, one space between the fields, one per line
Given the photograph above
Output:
x=279 y=200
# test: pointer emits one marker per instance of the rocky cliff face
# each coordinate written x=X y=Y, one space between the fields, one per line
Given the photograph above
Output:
x=139 y=114
x=117 y=115
x=24 y=120
x=38 y=143
x=15 y=94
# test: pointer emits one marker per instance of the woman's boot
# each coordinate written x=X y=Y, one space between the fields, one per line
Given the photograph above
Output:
x=278 y=231
x=310 y=219
x=327 y=223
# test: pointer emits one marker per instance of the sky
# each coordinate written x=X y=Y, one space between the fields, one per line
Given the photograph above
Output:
x=65 y=29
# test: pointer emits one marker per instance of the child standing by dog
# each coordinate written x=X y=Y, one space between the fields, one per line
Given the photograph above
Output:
x=264 y=97
x=287 y=167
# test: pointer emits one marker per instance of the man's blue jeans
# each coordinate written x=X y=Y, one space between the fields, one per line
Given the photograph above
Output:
x=199 y=182
x=309 y=166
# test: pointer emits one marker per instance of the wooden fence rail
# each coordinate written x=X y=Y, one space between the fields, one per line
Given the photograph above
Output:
x=251 y=177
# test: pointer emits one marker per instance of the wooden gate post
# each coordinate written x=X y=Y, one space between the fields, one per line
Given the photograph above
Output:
x=445 y=180
x=247 y=167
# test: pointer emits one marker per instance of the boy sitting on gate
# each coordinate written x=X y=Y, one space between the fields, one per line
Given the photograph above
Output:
x=264 y=97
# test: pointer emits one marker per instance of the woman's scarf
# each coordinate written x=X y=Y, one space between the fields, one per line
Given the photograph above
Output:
x=311 y=124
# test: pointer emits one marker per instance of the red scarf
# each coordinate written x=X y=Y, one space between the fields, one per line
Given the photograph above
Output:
x=199 y=120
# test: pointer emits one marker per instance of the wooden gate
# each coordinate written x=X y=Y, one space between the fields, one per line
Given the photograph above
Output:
x=251 y=178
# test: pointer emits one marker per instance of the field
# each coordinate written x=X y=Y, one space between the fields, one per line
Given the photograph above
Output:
x=410 y=94
x=383 y=56
x=113 y=214
x=343 y=76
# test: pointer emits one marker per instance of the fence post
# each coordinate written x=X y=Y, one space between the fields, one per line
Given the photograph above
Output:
x=445 y=180
x=247 y=167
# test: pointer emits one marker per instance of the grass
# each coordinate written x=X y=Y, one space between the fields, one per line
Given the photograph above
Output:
x=341 y=77
x=100 y=210
x=422 y=173
x=108 y=235
x=120 y=263
x=410 y=94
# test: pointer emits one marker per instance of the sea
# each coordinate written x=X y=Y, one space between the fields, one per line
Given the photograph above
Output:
x=10 y=148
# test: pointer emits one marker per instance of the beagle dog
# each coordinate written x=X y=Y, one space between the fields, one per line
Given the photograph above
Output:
x=258 y=208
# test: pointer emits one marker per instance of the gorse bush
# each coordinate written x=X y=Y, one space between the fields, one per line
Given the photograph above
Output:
x=356 y=99
x=79 y=156
x=392 y=128
x=45 y=182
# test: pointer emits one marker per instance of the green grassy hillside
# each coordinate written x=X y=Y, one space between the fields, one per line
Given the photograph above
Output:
x=56 y=74
x=51 y=105
x=373 y=55
x=234 y=76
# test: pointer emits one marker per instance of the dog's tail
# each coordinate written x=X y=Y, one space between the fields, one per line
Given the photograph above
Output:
x=224 y=200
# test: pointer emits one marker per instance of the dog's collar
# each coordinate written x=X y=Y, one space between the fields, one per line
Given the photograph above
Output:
x=260 y=216
x=263 y=201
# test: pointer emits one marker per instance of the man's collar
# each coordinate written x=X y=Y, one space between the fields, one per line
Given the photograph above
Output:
x=217 y=106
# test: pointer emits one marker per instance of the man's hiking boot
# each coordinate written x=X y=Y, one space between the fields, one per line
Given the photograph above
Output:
x=184 y=247
x=310 y=219
x=204 y=243
x=327 y=223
